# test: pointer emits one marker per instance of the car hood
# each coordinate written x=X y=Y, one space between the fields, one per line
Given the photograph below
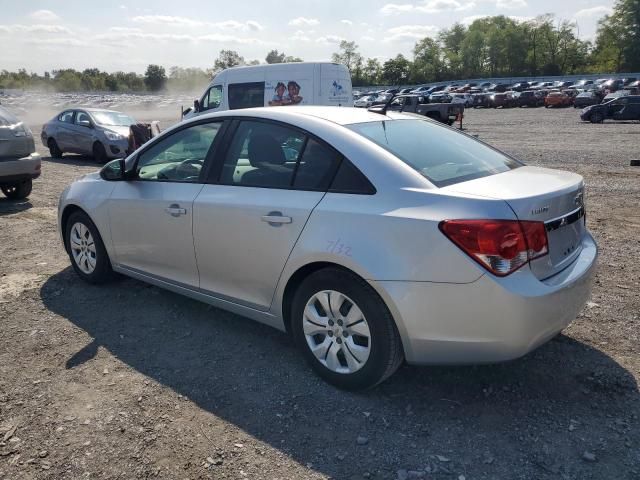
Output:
x=120 y=129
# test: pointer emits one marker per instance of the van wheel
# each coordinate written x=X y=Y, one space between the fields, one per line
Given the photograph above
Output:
x=18 y=191
x=345 y=330
x=54 y=149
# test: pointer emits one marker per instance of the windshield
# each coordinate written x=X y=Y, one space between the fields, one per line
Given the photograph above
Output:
x=112 y=119
x=6 y=118
x=442 y=155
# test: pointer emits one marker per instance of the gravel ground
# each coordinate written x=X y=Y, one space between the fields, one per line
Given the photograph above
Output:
x=129 y=381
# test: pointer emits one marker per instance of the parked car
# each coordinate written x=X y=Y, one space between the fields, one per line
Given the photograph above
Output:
x=583 y=83
x=412 y=103
x=610 y=86
x=542 y=85
x=404 y=91
x=628 y=80
x=585 y=99
x=562 y=84
x=621 y=108
x=614 y=95
x=365 y=102
x=103 y=134
x=465 y=98
x=280 y=84
x=557 y=99
x=520 y=86
x=498 y=87
x=481 y=100
x=440 y=97
x=278 y=226
x=504 y=100
x=19 y=164
x=530 y=98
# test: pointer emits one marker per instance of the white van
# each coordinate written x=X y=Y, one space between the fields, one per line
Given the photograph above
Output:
x=278 y=84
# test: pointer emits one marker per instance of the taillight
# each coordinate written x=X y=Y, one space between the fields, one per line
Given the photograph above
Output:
x=500 y=246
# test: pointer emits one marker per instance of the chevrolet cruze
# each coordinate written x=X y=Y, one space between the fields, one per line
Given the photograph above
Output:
x=373 y=238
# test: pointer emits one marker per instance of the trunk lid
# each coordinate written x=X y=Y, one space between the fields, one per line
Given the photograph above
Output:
x=554 y=197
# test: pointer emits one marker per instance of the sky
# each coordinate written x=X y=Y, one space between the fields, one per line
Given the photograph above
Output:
x=43 y=35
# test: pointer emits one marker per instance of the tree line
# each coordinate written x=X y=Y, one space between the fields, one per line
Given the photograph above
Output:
x=495 y=46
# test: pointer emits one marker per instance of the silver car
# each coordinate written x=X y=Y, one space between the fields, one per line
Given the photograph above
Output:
x=19 y=164
x=371 y=238
x=102 y=134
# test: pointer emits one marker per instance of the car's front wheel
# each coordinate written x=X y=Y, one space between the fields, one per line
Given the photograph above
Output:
x=86 y=250
x=19 y=190
x=99 y=153
x=345 y=330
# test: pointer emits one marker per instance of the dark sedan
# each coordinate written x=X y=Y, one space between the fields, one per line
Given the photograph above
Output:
x=586 y=99
x=530 y=98
x=621 y=108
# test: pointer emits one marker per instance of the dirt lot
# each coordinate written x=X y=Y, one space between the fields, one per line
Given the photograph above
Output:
x=128 y=381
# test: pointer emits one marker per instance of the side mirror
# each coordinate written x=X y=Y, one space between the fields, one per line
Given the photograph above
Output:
x=196 y=106
x=114 y=170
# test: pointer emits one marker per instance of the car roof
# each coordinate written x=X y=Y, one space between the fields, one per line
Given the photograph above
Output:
x=337 y=115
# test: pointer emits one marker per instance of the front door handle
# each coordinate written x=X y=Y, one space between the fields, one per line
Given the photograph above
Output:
x=175 y=210
x=275 y=219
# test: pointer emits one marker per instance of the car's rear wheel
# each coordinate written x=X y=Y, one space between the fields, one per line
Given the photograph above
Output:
x=86 y=250
x=345 y=330
x=54 y=149
x=19 y=190
x=99 y=153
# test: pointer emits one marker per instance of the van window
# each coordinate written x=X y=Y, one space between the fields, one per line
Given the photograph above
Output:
x=212 y=98
x=246 y=95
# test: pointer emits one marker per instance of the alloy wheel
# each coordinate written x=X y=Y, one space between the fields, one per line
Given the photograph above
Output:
x=83 y=248
x=337 y=332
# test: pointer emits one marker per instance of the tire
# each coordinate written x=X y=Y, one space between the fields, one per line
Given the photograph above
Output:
x=596 y=118
x=384 y=347
x=18 y=191
x=97 y=271
x=54 y=149
x=99 y=153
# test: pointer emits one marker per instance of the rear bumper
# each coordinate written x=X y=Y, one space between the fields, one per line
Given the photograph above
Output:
x=20 y=169
x=492 y=319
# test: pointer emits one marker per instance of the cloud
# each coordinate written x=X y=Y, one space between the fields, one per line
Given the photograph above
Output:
x=510 y=4
x=599 y=11
x=55 y=43
x=182 y=22
x=48 y=29
x=410 y=33
x=428 y=6
x=303 y=22
x=44 y=16
x=347 y=22
x=367 y=38
x=300 y=36
x=329 y=39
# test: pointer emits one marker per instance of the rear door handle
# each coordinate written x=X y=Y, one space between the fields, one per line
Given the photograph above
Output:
x=275 y=219
x=175 y=210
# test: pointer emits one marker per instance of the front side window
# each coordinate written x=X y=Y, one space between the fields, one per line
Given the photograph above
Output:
x=179 y=157
x=83 y=119
x=212 y=99
x=442 y=155
x=262 y=155
x=246 y=95
x=66 y=117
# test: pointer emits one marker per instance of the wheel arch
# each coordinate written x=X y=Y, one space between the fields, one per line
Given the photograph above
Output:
x=305 y=270
x=64 y=218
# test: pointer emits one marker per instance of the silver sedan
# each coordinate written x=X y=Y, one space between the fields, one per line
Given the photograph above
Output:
x=372 y=238
x=102 y=134
x=19 y=164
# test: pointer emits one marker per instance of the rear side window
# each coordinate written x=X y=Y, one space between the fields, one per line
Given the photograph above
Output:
x=246 y=95
x=316 y=167
x=349 y=179
x=442 y=155
x=66 y=117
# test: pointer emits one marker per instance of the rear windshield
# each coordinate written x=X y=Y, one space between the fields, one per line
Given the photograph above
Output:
x=442 y=155
x=6 y=118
